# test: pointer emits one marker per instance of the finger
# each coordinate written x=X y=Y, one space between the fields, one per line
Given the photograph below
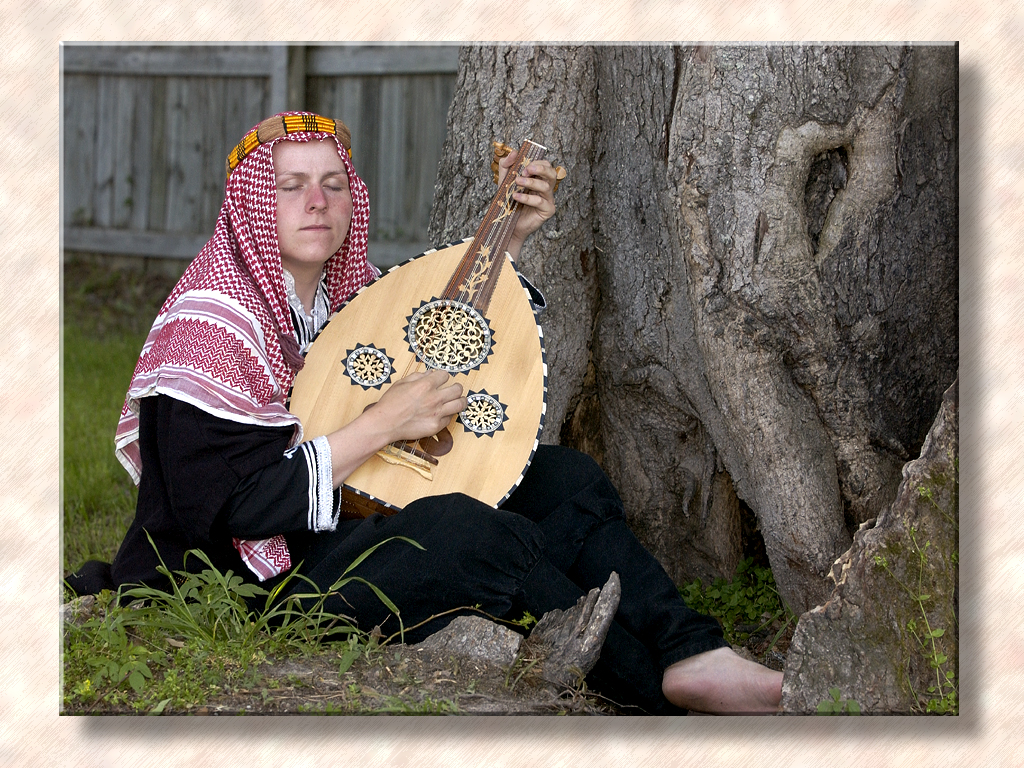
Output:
x=437 y=377
x=505 y=163
x=544 y=205
x=540 y=168
x=509 y=160
x=452 y=391
x=540 y=184
x=452 y=407
x=412 y=377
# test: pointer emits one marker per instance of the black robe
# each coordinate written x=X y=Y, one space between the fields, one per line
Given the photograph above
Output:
x=207 y=480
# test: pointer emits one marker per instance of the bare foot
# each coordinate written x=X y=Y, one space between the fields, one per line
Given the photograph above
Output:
x=721 y=682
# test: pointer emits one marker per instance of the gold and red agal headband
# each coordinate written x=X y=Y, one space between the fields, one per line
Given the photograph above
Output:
x=281 y=125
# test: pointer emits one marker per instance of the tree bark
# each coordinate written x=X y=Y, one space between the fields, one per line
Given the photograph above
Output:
x=752 y=277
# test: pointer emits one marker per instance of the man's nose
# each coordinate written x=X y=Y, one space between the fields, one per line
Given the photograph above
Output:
x=315 y=198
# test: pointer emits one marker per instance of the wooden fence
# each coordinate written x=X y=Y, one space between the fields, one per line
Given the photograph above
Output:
x=146 y=130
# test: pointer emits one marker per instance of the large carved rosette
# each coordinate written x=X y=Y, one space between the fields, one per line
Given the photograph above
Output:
x=449 y=335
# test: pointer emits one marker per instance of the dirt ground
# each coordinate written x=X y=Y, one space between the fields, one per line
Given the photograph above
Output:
x=403 y=680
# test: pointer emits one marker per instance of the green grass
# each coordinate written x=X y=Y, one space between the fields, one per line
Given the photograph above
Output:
x=107 y=314
x=99 y=496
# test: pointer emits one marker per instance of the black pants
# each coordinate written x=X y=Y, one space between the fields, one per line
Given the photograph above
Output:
x=561 y=533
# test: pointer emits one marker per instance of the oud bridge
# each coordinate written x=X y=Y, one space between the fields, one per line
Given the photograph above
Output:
x=419 y=455
x=405 y=455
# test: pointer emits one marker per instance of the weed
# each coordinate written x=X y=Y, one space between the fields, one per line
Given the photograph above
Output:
x=210 y=607
x=526 y=621
x=525 y=664
x=325 y=708
x=428 y=706
x=108 y=660
x=349 y=657
x=737 y=603
x=297 y=682
x=113 y=661
x=943 y=696
x=835 y=705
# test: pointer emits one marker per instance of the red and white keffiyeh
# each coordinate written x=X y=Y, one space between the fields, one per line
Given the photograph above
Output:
x=217 y=342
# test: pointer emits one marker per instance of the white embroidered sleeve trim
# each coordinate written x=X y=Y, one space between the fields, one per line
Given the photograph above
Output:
x=322 y=514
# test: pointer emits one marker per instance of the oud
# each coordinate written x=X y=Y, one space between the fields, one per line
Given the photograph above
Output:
x=463 y=309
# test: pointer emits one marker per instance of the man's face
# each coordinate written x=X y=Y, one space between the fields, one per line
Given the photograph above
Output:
x=314 y=204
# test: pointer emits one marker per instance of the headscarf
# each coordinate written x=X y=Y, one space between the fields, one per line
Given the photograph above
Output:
x=224 y=340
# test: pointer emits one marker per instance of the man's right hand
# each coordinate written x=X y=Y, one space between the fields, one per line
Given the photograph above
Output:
x=420 y=405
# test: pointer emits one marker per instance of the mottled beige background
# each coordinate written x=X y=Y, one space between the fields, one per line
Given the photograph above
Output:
x=989 y=732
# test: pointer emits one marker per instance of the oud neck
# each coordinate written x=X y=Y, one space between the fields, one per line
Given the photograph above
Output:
x=474 y=280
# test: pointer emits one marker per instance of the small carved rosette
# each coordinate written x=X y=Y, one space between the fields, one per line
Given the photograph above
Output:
x=484 y=414
x=368 y=366
x=448 y=335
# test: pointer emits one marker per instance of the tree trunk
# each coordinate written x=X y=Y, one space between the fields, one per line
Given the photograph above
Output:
x=751 y=279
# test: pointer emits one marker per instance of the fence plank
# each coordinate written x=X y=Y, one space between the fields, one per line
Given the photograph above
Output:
x=130 y=242
x=428 y=118
x=391 y=164
x=278 y=79
x=184 y=156
x=170 y=60
x=369 y=143
x=207 y=131
x=103 y=183
x=350 y=60
x=246 y=103
x=80 y=105
x=123 y=129
x=141 y=169
x=157 y=215
x=296 y=78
